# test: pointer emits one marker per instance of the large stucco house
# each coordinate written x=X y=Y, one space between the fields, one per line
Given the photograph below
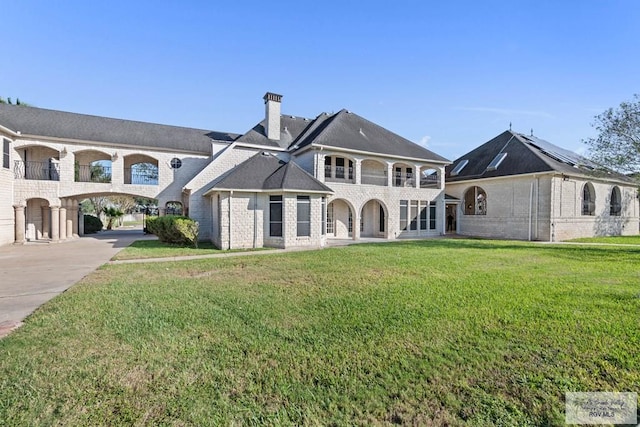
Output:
x=289 y=181
x=522 y=187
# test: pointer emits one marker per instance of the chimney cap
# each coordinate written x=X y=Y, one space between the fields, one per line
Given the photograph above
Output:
x=270 y=96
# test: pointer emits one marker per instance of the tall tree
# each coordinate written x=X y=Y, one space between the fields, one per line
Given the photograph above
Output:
x=617 y=144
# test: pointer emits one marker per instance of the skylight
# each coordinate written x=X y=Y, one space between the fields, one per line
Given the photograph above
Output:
x=459 y=167
x=496 y=161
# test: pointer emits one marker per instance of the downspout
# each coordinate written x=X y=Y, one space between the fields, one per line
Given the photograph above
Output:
x=255 y=220
x=537 y=217
x=552 y=220
x=530 y=207
x=230 y=196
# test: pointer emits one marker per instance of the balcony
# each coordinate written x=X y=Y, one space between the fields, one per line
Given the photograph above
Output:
x=429 y=181
x=338 y=174
x=44 y=171
x=401 y=179
x=374 y=178
x=139 y=176
x=93 y=173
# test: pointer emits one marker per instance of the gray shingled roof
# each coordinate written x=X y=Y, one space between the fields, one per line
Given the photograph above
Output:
x=525 y=154
x=60 y=124
x=266 y=172
x=350 y=131
x=290 y=128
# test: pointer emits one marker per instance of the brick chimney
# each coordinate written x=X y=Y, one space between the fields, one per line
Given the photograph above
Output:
x=272 y=115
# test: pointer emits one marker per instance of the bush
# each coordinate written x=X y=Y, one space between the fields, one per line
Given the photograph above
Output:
x=92 y=224
x=174 y=229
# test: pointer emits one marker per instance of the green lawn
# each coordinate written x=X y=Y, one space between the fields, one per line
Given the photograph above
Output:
x=458 y=332
x=626 y=240
x=143 y=249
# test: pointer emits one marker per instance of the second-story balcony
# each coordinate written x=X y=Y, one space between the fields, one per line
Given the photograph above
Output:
x=44 y=171
x=338 y=174
x=93 y=173
x=401 y=179
x=374 y=178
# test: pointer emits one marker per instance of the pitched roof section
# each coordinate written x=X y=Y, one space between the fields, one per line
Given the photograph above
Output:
x=524 y=155
x=266 y=172
x=349 y=131
x=60 y=124
x=290 y=129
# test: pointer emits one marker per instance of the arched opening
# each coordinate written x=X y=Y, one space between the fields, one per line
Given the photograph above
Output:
x=373 y=219
x=615 y=202
x=173 y=208
x=338 y=169
x=37 y=220
x=429 y=177
x=475 y=201
x=588 y=199
x=140 y=169
x=92 y=166
x=38 y=162
x=373 y=172
x=339 y=219
x=403 y=175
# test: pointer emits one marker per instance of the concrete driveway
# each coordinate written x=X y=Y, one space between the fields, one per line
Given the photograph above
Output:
x=33 y=273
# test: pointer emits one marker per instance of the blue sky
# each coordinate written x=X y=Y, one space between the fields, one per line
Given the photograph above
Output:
x=450 y=75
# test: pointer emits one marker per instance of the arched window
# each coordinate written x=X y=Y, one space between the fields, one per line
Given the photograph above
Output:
x=173 y=208
x=615 y=205
x=588 y=199
x=475 y=201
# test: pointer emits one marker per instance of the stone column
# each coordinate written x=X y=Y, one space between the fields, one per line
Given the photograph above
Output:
x=63 y=220
x=75 y=219
x=55 y=223
x=390 y=175
x=357 y=171
x=416 y=175
x=19 y=224
x=45 y=222
x=69 y=227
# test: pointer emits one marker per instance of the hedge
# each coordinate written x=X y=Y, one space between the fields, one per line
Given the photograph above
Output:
x=92 y=224
x=175 y=229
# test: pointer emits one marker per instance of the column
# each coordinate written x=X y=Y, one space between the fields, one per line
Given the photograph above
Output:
x=389 y=174
x=416 y=175
x=75 y=219
x=55 y=223
x=69 y=226
x=357 y=171
x=45 y=222
x=63 y=220
x=19 y=223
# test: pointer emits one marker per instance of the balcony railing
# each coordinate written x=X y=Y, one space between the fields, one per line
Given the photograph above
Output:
x=45 y=171
x=338 y=174
x=403 y=180
x=429 y=181
x=133 y=176
x=93 y=173
x=373 y=178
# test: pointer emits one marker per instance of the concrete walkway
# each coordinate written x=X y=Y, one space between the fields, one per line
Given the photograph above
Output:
x=33 y=273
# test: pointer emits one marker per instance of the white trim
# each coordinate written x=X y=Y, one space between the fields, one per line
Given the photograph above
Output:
x=258 y=146
x=115 y=144
x=371 y=153
x=554 y=174
x=275 y=190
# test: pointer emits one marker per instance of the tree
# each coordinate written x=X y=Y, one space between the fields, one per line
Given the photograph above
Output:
x=112 y=214
x=618 y=142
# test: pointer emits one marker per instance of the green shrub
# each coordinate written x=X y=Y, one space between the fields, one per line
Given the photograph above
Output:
x=174 y=229
x=92 y=224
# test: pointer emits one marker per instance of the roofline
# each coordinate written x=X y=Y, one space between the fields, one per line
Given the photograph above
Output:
x=370 y=153
x=9 y=131
x=261 y=147
x=553 y=173
x=276 y=190
x=113 y=144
